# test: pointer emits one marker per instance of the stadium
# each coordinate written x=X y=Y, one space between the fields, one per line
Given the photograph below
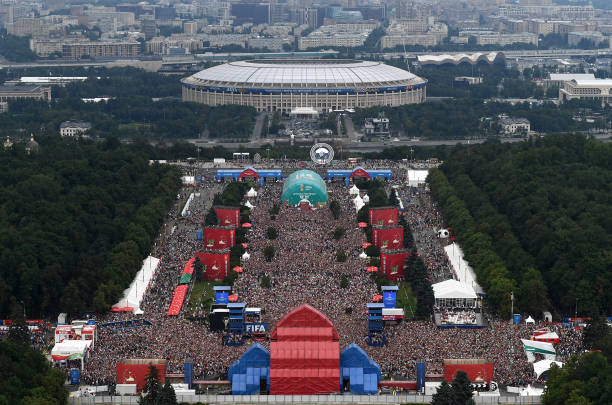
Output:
x=321 y=85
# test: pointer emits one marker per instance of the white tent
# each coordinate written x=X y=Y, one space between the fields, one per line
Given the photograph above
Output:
x=132 y=296
x=531 y=391
x=249 y=205
x=366 y=198
x=462 y=269
x=547 y=336
x=246 y=256
x=354 y=190
x=363 y=255
x=251 y=193
x=187 y=204
x=71 y=350
x=359 y=206
x=416 y=177
x=533 y=346
x=542 y=366
x=358 y=200
x=453 y=289
x=529 y=319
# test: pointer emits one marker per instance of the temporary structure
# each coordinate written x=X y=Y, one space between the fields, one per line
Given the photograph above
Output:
x=542 y=366
x=366 y=198
x=246 y=256
x=251 y=193
x=354 y=190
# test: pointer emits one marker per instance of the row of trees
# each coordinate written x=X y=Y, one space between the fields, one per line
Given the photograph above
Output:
x=532 y=218
x=462 y=118
x=131 y=116
x=77 y=220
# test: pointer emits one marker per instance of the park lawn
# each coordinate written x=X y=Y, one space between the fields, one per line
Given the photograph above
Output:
x=406 y=299
x=202 y=296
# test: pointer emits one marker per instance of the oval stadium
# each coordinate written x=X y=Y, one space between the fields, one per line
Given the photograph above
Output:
x=320 y=84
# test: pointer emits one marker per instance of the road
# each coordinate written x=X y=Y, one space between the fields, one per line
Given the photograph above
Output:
x=353 y=135
x=256 y=136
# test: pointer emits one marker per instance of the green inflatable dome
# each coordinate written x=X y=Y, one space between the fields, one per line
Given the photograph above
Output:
x=304 y=184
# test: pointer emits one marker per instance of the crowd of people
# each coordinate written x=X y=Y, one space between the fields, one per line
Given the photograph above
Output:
x=305 y=269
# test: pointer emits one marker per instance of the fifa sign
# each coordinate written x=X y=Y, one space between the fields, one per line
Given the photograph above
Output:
x=256 y=327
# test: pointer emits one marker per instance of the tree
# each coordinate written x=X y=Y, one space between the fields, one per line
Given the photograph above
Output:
x=198 y=269
x=269 y=252
x=265 y=281
x=533 y=292
x=344 y=282
x=271 y=233
x=582 y=380
x=444 y=395
x=211 y=217
x=167 y=396
x=334 y=207
x=339 y=232
x=340 y=255
x=152 y=388
x=462 y=389
x=18 y=331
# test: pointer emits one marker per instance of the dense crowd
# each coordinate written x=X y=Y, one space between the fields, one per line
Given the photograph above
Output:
x=304 y=270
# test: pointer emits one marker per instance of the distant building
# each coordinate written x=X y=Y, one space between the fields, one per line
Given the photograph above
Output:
x=79 y=50
x=468 y=80
x=515 y=125
x=251 y=12
x=3 y=106
x=588 y=89
x=190 y=27
x=45 y=80
x=74 y=128
x=574 y=38
x=148 y=28
x=8 y=144
x=557 y=79
x=377 y=126
x=32 y=146
x=8 y=93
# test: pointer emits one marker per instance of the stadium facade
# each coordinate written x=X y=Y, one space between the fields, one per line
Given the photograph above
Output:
x=319 y=84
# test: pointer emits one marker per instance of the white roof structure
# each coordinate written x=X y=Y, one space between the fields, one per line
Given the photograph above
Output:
x=416 y=177
x=295 y=73
x=542 y=366
x=246 y=256
x=531 y=391
x=549 y=335
x=70 y=348
x=132 y=296
x=538 y=347
x=529 y=319
x=366 y=198
x=594 y=82
x=251 y=193
x=363 y=255
x=462 y=269
x=359 y=206
x=358 y=201
x=458 y=58
x=248 y=204
x=354 y=190
x=571 y=76
x=453 y=289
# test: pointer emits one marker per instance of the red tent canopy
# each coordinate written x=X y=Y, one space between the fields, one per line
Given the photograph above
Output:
x=122 y=309
x=246 y=225
x=365 y=245
x=249 y=172
x=360 y=172
x=238 y=269
x=377 y=297
x=372 y=269
x=244 y=245
x=233 y=298
x=362 y=225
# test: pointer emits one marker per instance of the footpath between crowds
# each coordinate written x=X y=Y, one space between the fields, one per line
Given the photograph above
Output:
x=305 y=399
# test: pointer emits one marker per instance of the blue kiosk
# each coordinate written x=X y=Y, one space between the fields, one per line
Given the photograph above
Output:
x=389 y=295
x=222 y=294
x=251 y=374
x=235 y=330
x=358 y=172
x=249 y=172
x=376 y=336
x=358 y=373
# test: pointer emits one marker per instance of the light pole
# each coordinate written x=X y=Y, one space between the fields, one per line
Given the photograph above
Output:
x=23 y=306
x=576 y=310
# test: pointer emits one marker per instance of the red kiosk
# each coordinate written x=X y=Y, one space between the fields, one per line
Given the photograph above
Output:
x=388 y=237
x=392 y=263
x=304 y=354
x=216 y=263
x=384 y=216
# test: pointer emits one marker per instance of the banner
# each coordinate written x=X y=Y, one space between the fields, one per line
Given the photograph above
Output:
x=228 y=216
x=217 y=238
x=390 y=238
x=389 y=299
x=136 y=373
x=216 y=264
x=384 y=216
x=222 y=298
x=392 y=263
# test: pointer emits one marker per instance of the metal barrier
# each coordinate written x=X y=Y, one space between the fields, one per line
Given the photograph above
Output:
x=304 y=399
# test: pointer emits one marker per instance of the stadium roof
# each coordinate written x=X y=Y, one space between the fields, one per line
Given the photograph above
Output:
x=308 y=71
